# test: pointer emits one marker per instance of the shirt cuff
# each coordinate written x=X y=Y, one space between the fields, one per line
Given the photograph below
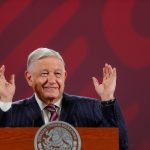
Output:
x=5 y=106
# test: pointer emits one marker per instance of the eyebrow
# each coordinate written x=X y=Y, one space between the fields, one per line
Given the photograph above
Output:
x=59 y=70
x=44 y=70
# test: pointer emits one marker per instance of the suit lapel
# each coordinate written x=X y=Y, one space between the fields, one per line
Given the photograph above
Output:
x=67 y=108
x=66 y=114
x=35 y=112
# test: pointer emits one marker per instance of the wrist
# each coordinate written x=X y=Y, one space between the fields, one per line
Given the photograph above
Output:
x=6 y=99
x=107 y=97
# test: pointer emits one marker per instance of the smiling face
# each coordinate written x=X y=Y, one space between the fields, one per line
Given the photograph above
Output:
x=47 y=78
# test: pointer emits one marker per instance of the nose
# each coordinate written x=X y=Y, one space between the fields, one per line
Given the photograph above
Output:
x=51 y=78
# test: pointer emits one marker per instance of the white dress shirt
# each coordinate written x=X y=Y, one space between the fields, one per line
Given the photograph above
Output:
x=45 y=113
x=4 y=106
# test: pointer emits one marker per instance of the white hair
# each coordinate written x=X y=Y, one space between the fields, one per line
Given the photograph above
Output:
x=42 y=52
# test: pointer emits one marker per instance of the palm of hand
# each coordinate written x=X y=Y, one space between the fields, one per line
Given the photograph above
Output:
x=7 y=89
x=107 y=88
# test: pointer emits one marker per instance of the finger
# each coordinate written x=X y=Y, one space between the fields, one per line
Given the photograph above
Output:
x=2 y=70
x=95 y=82
x=2 y=67
x=104 y=73
x=110 y=70
x=114 y=72
x=106 y=70
x=12 y=79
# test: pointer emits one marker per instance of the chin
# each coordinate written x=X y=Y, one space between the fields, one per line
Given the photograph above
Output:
x=52 y=96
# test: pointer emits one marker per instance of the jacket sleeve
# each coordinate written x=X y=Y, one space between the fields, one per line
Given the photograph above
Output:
x=5 y=118
x=112 y=117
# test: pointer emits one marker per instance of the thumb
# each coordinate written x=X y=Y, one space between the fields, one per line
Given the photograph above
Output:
x=95 y=82
x=12 y=79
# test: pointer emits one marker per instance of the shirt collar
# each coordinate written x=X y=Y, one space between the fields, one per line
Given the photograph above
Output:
x=42 y=105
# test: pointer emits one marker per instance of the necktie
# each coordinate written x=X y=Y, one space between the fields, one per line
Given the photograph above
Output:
x=53 y=110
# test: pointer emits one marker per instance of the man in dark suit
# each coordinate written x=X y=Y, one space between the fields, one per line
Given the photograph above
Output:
x=46 y=75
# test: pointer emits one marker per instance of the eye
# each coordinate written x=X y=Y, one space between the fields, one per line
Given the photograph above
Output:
x=44 y=74
x=58 y=74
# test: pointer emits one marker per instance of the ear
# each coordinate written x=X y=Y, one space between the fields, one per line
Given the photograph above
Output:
x=65 y=74
x=28 y=78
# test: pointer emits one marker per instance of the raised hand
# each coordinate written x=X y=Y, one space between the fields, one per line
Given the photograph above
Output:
x=7 y=89
x=107 y=88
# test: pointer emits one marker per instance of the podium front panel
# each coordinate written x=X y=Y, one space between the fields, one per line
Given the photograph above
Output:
x=91 y=138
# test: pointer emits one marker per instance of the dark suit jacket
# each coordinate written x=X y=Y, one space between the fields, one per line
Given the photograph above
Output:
x=77 y=111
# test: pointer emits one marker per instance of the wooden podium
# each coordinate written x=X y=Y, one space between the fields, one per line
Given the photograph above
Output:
x=91 y=138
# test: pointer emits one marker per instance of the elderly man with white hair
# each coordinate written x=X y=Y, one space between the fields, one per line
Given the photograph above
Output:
x=46 y=75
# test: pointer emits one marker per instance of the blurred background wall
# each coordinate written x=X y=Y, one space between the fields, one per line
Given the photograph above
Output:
x=88 y=33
